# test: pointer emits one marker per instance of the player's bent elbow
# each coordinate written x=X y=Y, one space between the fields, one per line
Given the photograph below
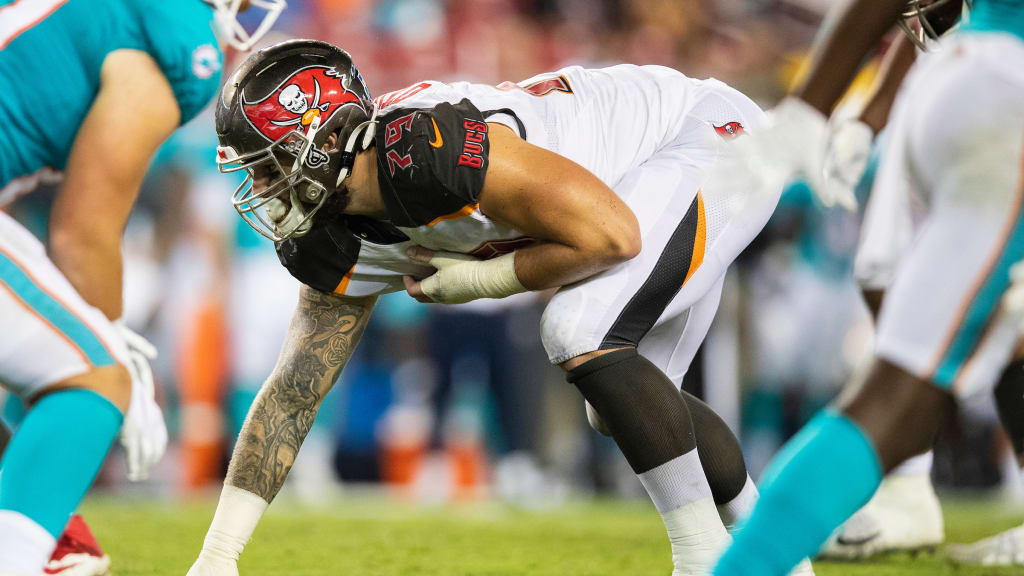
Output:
x=622 y=245
x=67 y=239
x=631 y=246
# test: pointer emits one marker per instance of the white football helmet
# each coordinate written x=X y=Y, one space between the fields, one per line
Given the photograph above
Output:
x=231 y=30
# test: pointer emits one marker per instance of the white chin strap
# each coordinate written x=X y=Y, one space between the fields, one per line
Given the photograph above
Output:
x=231 y=30
x=367 y=129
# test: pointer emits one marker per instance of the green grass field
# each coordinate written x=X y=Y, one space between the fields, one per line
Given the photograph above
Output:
x=374 y=536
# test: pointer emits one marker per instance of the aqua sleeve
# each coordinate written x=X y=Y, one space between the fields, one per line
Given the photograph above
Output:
x=180 y=38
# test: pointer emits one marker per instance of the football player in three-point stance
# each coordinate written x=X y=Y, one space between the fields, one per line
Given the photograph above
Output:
x=957 y=143
x=91 y=89
x=595 y=182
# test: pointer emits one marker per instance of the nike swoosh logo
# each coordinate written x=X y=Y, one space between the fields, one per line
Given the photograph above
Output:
x=438 y=141
x=857 y=541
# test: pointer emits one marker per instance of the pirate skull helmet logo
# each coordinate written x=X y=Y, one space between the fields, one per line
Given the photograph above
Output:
x=293 y=99
x=316 y=92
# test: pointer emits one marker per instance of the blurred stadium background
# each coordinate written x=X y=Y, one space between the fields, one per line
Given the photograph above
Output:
x=459 y=404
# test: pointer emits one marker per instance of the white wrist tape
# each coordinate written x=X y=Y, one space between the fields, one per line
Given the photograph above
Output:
x=238 y=513
x=461 y=278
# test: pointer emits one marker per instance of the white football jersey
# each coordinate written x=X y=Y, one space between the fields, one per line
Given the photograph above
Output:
x=608 y=120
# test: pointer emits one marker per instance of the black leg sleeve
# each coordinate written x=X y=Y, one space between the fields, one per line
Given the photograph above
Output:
x=719 y=451
x=640 y=405
x=1009 y=394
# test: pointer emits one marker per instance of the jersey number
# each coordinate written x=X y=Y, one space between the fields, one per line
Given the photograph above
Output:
x=393 y=131
x=21 y=15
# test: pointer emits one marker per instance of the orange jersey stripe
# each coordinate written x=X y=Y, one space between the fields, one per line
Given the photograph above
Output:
x=462 y=212
x=343 y=285
x=699 y=239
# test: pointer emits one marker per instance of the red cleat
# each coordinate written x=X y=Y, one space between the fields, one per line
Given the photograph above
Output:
x=78 y=553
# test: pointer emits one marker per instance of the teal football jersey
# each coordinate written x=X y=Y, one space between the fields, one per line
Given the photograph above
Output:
x=51 y=53
x=997 y=16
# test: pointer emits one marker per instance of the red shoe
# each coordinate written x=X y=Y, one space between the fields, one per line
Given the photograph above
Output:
x=78 y=553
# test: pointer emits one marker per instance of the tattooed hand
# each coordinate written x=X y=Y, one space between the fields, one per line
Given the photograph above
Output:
x=324 y=331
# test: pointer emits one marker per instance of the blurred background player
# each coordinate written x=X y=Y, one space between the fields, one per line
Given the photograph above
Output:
x=956 y=142
x=342 y=185
x=905 y=513
x=91 y=91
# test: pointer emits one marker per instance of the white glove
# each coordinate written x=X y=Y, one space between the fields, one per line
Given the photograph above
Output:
x=462 y=278
x=144 y=433
x=208 y=565
x=846 y=158
x=791 y=143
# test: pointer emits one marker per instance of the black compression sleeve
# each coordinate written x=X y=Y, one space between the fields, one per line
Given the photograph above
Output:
x=640 y=405
x=719 y=451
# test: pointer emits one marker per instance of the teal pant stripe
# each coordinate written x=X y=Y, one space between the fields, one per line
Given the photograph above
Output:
x=981 y=309
x=54 y=312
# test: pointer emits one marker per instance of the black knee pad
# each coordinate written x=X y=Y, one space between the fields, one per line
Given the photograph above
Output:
x=641 y=407
x=719 y=451
x=1009 y=395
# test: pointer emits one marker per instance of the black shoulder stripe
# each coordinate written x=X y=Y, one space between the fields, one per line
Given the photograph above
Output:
x=508 y=112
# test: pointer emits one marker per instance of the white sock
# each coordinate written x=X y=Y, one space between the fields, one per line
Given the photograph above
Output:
x=739 y=507
x=683 y=498
x=696 y=535
x=238 y=513
x=920 y=465
x=25 y=546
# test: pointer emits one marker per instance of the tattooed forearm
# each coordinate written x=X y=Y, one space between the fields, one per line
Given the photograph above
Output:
x=324 y=331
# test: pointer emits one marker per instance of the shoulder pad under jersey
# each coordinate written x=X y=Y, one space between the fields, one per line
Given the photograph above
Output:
x=325 y=257
x=431 y=162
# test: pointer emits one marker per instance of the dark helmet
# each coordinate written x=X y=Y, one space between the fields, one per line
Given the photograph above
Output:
x=275 y=116
x=925 y=20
